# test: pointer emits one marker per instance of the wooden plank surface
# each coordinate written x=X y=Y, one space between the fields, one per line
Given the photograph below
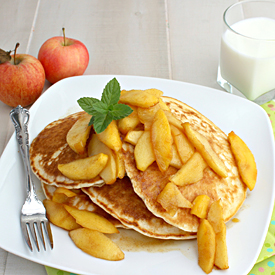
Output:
x=123 y=37
x=159 y=38
x=16 y=19
x=195 y=28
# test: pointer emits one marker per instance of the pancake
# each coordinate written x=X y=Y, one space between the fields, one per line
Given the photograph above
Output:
x=148 y=184
x=50 y=148
x=82 y=202
x=120 y=200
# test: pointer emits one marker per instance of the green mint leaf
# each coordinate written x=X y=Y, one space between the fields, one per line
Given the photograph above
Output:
x=107 y=109
x=102 y=121
x=101 y=107
x=86 y=103
x=120 y=111
x=92 y=120
x=111 y=92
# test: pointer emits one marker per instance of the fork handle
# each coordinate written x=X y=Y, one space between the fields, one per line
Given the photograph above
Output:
x=20 y=119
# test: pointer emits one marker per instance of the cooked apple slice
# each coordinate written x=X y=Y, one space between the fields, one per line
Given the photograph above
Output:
x=110 y=136
x=167 y=199
x=146 y=115
x=215 y=216
x=182 y=202
x=91 y=220
x=163 y=105
x=120 y=165
x=69 y=193
x=161 y=140
x=76 y=191
x=79 y=133
x=133 y=136
x=138 y=98
x=171 y=199
x=184 y=147
x=155 y=92
x=96 y=244
x=173 y=120
x=59 y=216
x=62 y=194
x=206 y=246
x=200 y=206
x=221 y=257
x=245 y=160
x=60 y=198
x=84 y=169
x=175 y=161
x=190 y=172
x=129 y=123
x=202 y=145
x=109 y=172
x=143 y=152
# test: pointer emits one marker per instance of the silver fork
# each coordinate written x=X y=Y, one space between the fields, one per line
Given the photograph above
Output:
x=33 y=213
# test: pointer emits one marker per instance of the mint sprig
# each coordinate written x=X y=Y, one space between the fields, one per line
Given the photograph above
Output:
x=107 y=109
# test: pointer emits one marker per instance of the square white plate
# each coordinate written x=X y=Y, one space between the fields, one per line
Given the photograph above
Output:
x=229 y=112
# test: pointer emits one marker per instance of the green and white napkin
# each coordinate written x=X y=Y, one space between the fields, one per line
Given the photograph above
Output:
x=265 y=264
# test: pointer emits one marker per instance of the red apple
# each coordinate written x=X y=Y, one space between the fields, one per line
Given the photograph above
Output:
x=22 y=80
x=63 y=57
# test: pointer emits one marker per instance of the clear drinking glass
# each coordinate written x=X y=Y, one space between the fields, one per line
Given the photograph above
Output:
x=247 y=55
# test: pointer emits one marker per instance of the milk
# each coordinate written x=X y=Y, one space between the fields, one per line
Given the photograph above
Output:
x=249 y=64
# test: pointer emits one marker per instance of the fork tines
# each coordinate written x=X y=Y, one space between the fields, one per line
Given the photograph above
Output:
x=33 y=229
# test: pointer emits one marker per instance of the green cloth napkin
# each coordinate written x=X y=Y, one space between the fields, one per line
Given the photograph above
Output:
x=265 y=264
x=53 y=271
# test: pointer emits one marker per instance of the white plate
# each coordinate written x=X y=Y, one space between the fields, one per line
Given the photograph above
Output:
x=229 y=112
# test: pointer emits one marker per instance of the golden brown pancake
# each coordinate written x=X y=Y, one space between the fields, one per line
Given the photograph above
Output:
x=82 y=202
x=50 y=148
x=120 y=200
x=148 y=184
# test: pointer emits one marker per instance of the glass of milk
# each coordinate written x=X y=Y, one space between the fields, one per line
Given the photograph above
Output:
x=247 y=54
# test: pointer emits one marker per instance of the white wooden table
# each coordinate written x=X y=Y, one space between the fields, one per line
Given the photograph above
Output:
x=172 y=39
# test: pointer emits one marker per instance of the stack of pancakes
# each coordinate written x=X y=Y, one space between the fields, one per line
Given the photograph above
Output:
x=131 y=202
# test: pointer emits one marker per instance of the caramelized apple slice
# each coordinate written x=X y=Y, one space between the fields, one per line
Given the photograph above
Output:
x=175 y=161
x=91 y=220
x=221 y=257
x=109 y=172
x=202 y=145
x=245 y=160
x=59 y=216
x=171 y=199
x=161 y=140
x=190 y=172
x=79 y=133
x=130 y=122
x=184 y=147
x=206 y=246
x=138 y=98
x=110 y=136
x=69 y=193
x=84 y=169
x=96 y=244
x=120 y=165
x=200 y=206
x=133 y=136
x=143 y=152
x=215 y=215
x=173 y=120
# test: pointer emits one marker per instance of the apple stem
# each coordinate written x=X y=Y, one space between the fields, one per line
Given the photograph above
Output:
x=14 y=58
x=63 y=30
